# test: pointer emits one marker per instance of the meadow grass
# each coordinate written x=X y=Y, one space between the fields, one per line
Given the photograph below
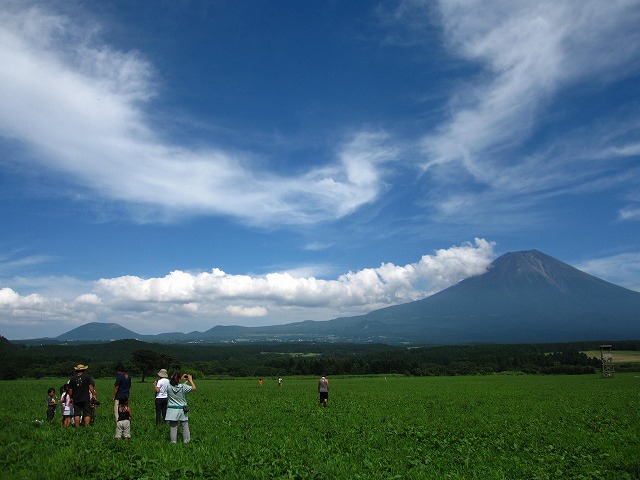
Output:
x=480 y=427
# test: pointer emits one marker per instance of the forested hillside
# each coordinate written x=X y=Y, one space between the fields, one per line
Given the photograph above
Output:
x=144 y=359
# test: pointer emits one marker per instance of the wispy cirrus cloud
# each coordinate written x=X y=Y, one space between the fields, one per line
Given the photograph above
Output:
x=78 y=108
x=11 y=263
x=622 y=269
x=630 y=214
x=525 y=54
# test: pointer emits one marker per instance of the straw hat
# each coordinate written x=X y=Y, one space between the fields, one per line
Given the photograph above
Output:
x=81 y=367
x=163 y=373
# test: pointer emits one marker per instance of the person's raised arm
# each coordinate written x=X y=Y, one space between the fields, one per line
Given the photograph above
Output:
x=190 y=380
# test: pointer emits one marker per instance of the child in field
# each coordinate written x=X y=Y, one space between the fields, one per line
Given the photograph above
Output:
x=67 y=406
x=123 y=425
x=52 y=403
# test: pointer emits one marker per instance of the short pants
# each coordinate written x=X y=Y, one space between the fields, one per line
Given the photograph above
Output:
x=82 y=409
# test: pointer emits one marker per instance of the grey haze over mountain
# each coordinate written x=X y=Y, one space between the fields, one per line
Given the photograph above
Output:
x=524 y=297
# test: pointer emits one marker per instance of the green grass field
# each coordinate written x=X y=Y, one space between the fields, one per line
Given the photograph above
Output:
x=481 y=427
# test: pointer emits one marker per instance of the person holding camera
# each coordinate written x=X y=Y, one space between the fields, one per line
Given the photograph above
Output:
x=177 y=409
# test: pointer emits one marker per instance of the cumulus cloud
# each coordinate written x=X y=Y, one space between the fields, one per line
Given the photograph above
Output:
x=77 y=107
x=8 y=296
x=88 y=299
x=35 y=308
x=370 y=287
x=209 y=298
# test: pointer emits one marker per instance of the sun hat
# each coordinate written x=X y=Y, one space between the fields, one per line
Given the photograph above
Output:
x=80 y=367
x=163 y=373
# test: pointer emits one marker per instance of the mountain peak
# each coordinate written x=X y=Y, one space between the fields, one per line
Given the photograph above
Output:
x=98 y=331
x=528 y=262
x=533 y=269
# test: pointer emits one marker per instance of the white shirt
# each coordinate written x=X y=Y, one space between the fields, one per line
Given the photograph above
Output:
x=162 y=384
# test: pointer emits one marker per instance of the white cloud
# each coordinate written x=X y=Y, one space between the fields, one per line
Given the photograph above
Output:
x=240 y=311
x=8 y=296
x=16 y=261
x=183 y=300
x=23 y=303
x=630 y=213
x=88 y=299
x=77 y=107
x=622 y=269
x=529 y=50
x=626 y=150
x=369 y=287
x=317 y=246
x=526 y=53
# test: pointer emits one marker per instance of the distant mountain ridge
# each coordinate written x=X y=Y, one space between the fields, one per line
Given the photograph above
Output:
x=524 y=297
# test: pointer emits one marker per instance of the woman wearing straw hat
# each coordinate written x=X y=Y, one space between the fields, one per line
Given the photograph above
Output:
x=161 y=386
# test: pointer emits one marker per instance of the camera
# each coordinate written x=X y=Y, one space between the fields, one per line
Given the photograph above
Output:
x=95 y=402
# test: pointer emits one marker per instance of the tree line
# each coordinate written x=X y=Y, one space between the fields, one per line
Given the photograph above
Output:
x=263 y=360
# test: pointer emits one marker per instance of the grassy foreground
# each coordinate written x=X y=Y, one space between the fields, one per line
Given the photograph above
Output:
x=484 y=427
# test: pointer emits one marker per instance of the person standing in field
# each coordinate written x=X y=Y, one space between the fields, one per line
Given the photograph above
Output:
x=323 y=388
x=67 y=406
x=123 y=425
x=93 y=403
x=81 y=389
x=52 y=404
x=161 y=387
x=121 y=388
x=177 y=409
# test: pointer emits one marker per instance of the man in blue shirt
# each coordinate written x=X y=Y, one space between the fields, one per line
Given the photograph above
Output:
x=121 y=388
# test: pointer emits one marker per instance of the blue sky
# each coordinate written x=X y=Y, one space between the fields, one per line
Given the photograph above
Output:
x=171 y=166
